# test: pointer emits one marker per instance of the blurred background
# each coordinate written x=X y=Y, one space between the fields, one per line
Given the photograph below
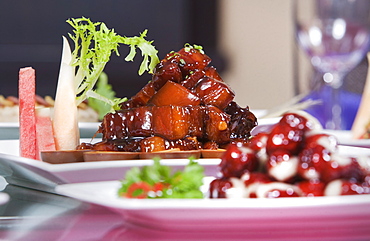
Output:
x=250 y=41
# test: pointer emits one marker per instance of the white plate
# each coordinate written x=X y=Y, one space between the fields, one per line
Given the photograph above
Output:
x=346 y=217
x=10 y=130
x=44 y=176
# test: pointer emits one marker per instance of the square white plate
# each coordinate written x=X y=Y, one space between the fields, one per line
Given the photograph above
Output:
x=45 y=176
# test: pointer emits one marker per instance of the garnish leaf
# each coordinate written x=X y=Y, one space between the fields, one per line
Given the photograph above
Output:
x=187 y=183
x=148 y=51
x=104 y=94
x=181 y=184
x=94 y=44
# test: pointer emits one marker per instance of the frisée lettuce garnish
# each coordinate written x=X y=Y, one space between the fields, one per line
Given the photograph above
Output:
x=105 y=92
x=94 y=44
x=157 y=181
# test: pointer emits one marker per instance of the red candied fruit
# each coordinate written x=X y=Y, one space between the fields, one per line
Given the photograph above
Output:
x=282 y=166
x=218 y=187
x=313 y=163
x=352 y=171
x=340 y=167
x=350 y=188
x=312 y=188
x=367 y=180
x=253 y=180
x=323 y=139
x=258 y=141
x=278 y=192
x=258 y=144
x=288 y=134
x=293 y=160
x=238 y=160
x=316 y=158
x=255 y=177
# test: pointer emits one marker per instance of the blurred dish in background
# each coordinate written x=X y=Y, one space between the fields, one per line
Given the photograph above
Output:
x=10 y=130
x=9 y=109
x=9 y=117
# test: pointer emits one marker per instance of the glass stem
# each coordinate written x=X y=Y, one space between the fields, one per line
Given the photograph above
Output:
x=334 y=109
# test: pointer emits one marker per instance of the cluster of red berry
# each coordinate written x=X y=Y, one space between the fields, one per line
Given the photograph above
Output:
x=294 y=159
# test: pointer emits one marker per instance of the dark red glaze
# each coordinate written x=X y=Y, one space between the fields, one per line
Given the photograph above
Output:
x=85 y=146
x=210 y=145
x=241 y=120
x=174 y=94
x=214 y=92
x=185 y=144
x=148 y=144
x=156 y=143
x=126 y=145
x=211 y=72
x=166 y=71
x=191 y=59
x=153 y=143
x=193 y=78
x=207 y=123
x=217 y=125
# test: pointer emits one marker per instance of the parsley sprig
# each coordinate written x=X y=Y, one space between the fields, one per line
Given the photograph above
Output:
x=157 y=181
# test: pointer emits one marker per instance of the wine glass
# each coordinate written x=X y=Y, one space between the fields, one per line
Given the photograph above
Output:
x=335 y=34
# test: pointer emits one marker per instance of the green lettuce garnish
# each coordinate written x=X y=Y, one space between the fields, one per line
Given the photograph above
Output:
x=105 y=100
x=94 y=44
x=157 y=181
